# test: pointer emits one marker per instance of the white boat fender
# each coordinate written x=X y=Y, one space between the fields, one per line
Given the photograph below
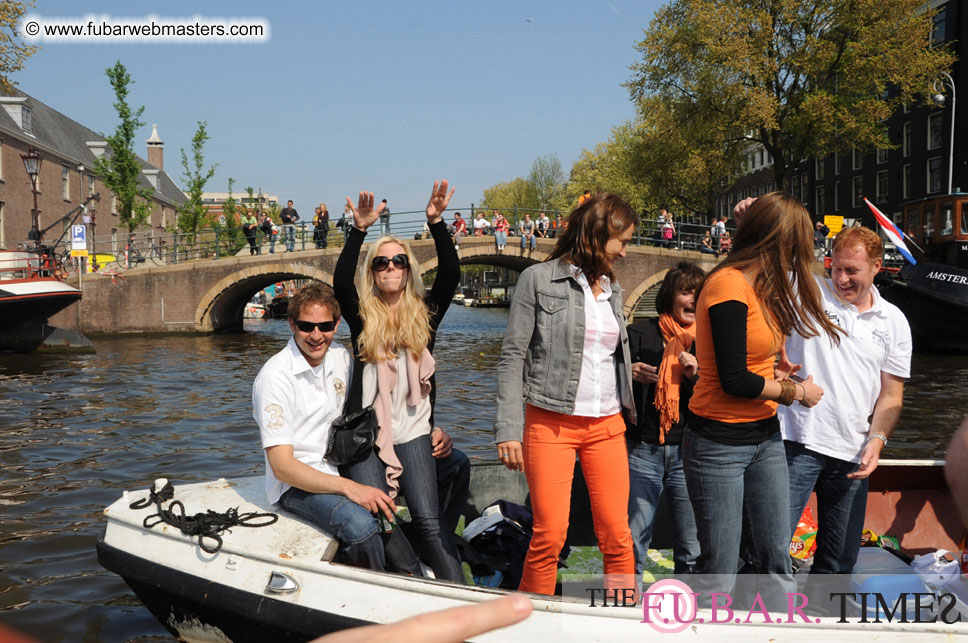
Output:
x=209 y=525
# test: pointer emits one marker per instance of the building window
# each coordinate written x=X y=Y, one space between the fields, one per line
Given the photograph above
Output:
x=65 y=183
x=882 y=186
x=795 y=186
x=821 y=206
x=761 y=157
x=934 y=175
x=906 y=181
x=818 y=170
x=858 y=197
x=836 y=163
x=837 y=196
x=90 y=186
x=114 y=205
x=937 y=28
x=881 y=155
x=1 y=159
x=26 y=120
x=906 y=138
x=3 y=236
x=805 y=187
x=934 y=131
x=856 y=159
x=907 y=106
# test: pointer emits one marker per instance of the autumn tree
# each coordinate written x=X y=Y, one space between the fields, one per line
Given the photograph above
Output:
x=801 y=78
x=13 y=52
x=119 y=167
x=192 y=212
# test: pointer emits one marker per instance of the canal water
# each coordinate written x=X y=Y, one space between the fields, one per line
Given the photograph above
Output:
x=75 y=431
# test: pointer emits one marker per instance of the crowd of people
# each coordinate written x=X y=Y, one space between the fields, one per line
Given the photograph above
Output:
x=751 y=389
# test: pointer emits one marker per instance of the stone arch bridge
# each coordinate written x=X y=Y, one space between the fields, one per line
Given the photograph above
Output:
x=209 y=296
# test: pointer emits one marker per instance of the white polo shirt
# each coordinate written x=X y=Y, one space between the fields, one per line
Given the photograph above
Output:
x=597 y=394
x=295 y=403
x=878 y=340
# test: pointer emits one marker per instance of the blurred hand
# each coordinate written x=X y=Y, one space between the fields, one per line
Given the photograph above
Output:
x=373 y=499
x=441 y=442
x=812 y=393
x=644 y=373
x=739 y=210
x=689 y=364
x=514 y=452
x=869 y=457
x=438 y=201
x=364 y=214
x=784 y=368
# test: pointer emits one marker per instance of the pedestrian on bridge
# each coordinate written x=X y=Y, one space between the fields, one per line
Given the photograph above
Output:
x=289 y=217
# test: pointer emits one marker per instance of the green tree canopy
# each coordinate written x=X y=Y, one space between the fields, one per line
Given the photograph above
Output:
x=800 y=77
x=191 y=213
x=119 y=167
x=13 y=52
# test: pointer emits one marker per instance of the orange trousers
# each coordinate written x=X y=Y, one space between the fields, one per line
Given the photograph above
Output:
x=551 y=441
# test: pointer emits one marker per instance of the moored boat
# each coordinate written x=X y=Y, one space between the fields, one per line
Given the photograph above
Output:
x=31 y=291
x=279 y=582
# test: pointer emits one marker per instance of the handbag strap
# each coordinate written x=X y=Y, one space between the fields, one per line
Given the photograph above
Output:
x=354 y=400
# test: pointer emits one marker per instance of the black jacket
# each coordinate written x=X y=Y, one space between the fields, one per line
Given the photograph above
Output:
x=645 y=345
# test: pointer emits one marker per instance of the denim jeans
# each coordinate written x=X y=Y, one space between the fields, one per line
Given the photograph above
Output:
x=500 y=238
x=652 y=468
x=453 y=481
x=418 y=482
x=524 y=241
x=841 y=505
x=739 y=494
x=349 y=523
x=272 y=244
x=290 y=231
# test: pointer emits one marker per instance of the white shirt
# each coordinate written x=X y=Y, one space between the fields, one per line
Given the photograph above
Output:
x=597 y=394
x=408 y=422
x=878 y=340
x=481 y=224
x=295 y=403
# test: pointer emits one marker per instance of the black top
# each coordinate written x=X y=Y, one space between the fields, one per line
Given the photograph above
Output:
x=646 y=346
x=437 y=300
x=289 y=215
x=727 y=321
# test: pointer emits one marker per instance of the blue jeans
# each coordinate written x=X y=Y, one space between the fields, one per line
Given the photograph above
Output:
x=418 y=482
x=352 y=525
x=841 y=505
x=290 y=231
x=739 y=494
x=524 y=241
x=500 y=238
x=453 y=481
x=652 y=468
x=272 y=244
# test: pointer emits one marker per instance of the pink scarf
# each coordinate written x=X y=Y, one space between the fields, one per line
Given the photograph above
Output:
x=418 y=377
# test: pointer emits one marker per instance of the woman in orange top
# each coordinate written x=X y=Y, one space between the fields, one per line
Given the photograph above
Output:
x=733 y=454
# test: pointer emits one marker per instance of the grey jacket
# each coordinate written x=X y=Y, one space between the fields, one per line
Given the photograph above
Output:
x=541 y=356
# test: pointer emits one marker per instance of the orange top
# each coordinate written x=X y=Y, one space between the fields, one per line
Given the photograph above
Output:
x=708 y=398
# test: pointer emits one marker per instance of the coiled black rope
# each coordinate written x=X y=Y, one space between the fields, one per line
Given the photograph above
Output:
x=209 y=525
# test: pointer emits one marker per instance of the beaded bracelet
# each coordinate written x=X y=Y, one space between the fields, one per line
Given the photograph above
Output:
x=788 y=391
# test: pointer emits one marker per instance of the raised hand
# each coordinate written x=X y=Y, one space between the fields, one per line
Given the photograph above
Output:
x=364 y=214
x=438 y=201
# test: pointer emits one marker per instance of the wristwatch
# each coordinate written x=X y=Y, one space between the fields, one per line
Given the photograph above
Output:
x=878 y=436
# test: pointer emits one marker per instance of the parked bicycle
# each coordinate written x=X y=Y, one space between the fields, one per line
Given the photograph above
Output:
x=131 y=256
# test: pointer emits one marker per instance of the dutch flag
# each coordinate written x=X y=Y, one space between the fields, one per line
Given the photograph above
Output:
x=895 y=235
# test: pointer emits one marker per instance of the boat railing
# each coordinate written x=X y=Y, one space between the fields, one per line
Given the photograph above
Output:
x=29 y=263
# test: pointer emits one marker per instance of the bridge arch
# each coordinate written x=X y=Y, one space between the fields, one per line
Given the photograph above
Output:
x=222 y=306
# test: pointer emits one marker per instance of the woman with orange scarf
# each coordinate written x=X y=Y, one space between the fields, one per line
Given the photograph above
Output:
x=664 y=371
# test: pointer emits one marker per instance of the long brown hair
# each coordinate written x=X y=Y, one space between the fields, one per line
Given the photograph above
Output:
x=588 y=229
x=775 y=241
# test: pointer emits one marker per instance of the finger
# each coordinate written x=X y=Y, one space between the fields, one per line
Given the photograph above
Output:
x=350 y=203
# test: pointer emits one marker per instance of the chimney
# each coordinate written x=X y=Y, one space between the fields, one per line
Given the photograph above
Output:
x=156 y=149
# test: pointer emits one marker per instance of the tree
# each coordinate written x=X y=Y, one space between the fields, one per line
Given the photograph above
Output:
x=801 y=78
x=192 y=212
x=13 y=52
x=231 y=230
x=547 y=180
x=119 y=167
x=505 y=196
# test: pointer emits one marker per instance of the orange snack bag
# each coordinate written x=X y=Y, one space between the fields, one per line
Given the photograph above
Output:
x=804 y=541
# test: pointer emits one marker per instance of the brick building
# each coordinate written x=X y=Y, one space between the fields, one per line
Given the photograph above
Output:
x=68 y=150
x=917 y=168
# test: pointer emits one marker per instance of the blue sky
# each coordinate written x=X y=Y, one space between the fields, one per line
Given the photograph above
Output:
x=384 y=96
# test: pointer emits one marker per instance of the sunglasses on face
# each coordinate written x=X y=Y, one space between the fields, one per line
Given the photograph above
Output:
x=308 y=326
x=400 y=262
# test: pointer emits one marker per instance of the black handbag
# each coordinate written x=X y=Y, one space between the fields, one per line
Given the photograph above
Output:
x=353 y=434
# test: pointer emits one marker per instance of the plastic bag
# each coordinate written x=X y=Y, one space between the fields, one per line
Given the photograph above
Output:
x=804 y=541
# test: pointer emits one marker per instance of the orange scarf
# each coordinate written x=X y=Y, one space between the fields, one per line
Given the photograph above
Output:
x=678 y=338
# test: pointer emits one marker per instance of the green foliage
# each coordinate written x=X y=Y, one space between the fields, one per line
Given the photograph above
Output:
x=13 y=52
x=504 y=196
x=191 y=213
x=801 y=78
x=231 y=230
x=544 y=189
x=119 y=167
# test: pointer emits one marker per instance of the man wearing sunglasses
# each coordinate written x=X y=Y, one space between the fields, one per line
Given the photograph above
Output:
x=295 y=398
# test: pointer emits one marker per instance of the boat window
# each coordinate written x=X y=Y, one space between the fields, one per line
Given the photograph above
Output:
x=929 y=222
x=947 y=220
x=914 y=222
x=964 y=217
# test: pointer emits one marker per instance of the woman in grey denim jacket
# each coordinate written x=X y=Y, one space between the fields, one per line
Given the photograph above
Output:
x=576 y=386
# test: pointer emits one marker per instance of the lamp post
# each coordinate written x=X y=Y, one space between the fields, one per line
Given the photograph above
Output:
x=32 y=163
x=939 y=99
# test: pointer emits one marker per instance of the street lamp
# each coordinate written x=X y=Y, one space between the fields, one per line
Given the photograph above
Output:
x=939 y=99
x=32 y=163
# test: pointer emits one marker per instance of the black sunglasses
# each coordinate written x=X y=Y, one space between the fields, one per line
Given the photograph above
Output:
x=400 y=262
x=308 y=326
